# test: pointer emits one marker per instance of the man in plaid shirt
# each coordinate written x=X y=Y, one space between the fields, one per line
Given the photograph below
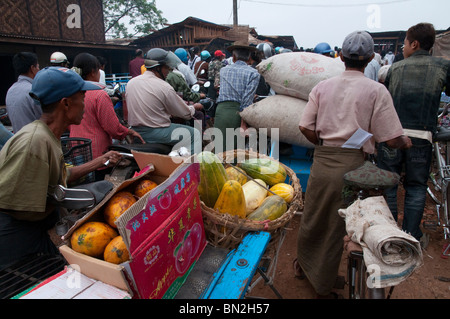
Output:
x=238 y=84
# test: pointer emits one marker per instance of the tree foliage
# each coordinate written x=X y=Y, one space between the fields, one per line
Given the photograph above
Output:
x=126 y=18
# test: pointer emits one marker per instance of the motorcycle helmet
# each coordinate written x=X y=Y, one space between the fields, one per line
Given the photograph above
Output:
x=277 y=50
x=58 y=58
x=323 y=48
x=163 y=57
x=205 y=55
x=266 y=49
x=182 y=54
x=285 y=50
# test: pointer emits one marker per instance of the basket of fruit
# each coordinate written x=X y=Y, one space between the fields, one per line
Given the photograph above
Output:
x=243 y=191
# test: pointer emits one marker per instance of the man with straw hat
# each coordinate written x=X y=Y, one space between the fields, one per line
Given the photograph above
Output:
x=238 y=84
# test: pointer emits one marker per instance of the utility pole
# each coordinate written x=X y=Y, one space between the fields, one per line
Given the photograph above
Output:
x=235 y=14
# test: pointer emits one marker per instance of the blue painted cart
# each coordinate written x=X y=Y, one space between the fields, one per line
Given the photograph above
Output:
x=223 y=274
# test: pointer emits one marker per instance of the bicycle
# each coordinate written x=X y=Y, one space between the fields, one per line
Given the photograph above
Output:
x=357 y=272
x=441 y=179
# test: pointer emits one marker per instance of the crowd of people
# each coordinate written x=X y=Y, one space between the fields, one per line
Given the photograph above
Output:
x=395 y=99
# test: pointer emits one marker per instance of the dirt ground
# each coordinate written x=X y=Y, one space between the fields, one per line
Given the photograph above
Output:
x=431 y=281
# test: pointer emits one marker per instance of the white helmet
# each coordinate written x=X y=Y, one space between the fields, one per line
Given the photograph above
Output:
x=58 y=57
x=266 y=49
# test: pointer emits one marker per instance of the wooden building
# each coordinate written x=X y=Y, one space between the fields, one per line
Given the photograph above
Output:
x=186 y=34
x=392 y=40
x=46 y=26
x=207 y=36
x=388 y=41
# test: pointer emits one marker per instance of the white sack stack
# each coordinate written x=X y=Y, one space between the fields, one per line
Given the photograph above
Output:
x=292 y=76
x=278 y=111
x=297 y=73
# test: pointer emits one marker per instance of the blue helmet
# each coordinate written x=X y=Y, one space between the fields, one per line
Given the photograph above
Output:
x=323 y=48
x=204 y=55
x=182 y=54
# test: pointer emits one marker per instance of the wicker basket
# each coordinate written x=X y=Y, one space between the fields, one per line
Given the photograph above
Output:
x=227 y=231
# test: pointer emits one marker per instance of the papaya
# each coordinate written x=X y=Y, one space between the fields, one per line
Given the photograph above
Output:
x=92 y=238
x=271 y=208
x=283 y=190
x=212 y=177
x=270 y=171
x=116 y=251
x=143 y=187
x=254 y=192
x=117 y=205
x=236 y=174
x=231 y=199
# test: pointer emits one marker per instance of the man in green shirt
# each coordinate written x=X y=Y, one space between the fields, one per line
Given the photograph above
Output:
x=32 y=165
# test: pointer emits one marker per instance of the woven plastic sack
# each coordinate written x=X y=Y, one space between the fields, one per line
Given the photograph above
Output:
x=278 y=111
x=370 y=176
x=297 y=73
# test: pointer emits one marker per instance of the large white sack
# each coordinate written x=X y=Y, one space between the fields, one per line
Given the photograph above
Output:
x=278 y=111
x=296 y=73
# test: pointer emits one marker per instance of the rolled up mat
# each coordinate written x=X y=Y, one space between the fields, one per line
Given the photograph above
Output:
x=390 y=254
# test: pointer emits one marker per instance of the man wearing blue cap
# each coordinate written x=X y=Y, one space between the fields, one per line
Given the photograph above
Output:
x=32 y=165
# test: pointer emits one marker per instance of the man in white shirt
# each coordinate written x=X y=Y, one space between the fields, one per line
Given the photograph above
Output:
x=151 y=102
x=21 y=108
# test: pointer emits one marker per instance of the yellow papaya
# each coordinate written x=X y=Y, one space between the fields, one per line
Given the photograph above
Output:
x=117 y=205
x=91 y=238
x=231 y=199
x=272 y=207
x=212 y=177
x=235 y=173
x=270 y=171
x=116 y=251
x=283 y=190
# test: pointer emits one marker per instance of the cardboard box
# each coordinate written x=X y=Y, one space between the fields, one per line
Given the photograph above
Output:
x=163 y=232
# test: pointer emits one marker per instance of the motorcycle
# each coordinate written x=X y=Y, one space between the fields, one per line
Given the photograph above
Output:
x=209 y=104
x=4 y=119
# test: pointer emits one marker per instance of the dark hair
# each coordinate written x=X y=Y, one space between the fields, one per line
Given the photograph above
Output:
x=139 y=52
x=195 y=50
x=358 y=64
x=257 y=56
x=101 y=60
x=87 y=63
x=424 y=33
x=23 y=61
x=242 y=54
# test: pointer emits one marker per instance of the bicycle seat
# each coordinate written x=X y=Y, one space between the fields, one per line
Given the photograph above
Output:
x=148 y=148
x=442 y=134
x=370 y=176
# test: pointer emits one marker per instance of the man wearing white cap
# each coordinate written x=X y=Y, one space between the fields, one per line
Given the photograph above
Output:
x=336 y=109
